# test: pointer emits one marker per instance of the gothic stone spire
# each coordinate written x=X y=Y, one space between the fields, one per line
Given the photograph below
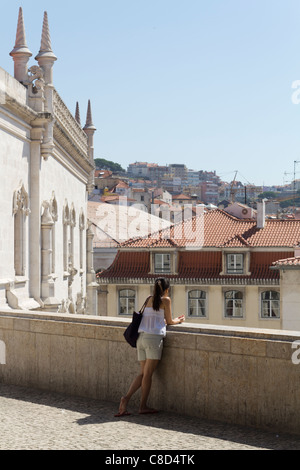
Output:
x=90 y=129
x=46 y=47
x=20 y=52
x=46 y=57
x=89 y=120
x=77 y=114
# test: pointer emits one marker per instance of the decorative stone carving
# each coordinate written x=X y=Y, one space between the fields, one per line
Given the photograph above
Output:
x=72 y=216
x=47 y=216
x=80 y=304
x=47 y=285
x=36 y=78
x=66 y=213
x=62 y=308
x=53 y=205
x=81 y=220
x=69 y=125
x=21 y=200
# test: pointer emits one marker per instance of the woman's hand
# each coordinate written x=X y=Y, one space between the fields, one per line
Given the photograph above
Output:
x=180 y=319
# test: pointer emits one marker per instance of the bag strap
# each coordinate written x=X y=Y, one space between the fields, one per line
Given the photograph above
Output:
x=144 y=305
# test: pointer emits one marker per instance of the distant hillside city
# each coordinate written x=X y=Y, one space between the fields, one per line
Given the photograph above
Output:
x=147 y=183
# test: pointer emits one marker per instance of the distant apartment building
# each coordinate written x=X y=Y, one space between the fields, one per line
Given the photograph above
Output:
x=157 y=173
x=153 y=171
x=172 y=184
x=138 y=169
x=209 y=192
x=178 y=170
x=192 y=178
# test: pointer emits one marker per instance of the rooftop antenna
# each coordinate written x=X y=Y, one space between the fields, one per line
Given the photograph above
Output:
x=294 y=185
x=232 y=191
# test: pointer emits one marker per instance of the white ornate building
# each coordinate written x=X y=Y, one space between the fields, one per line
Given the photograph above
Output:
x=47 y=168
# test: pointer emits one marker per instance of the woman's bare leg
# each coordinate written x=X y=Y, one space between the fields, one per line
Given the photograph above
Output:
x=135 y=385
x=148 y=370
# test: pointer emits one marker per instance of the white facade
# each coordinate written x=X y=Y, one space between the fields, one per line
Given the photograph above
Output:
x=290 y=295
x=47 y=169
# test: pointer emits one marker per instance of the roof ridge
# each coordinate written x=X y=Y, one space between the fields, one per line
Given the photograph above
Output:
x=237 y=236
x=229 y=216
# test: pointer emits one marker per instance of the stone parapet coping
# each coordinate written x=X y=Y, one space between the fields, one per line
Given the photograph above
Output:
x=188 y=327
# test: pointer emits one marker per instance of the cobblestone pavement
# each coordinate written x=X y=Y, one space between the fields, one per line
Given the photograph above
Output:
x=38 y=420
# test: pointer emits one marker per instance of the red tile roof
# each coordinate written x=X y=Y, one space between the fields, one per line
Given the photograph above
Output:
x=181 y=196
x=220 y=231
x=102 y=173
x=224 y=230
x=201 y=266
x=287 y=262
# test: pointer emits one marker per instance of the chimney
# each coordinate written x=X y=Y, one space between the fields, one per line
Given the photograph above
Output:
x=261 y=214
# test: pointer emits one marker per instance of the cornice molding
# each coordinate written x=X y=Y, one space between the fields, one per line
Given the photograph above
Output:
x=19 y=109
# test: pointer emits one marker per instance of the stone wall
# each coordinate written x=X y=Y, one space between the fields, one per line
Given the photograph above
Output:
x=234 y=375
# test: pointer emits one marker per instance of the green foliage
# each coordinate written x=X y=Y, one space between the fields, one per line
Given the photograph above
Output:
x=102 y=164
x=268 y=195
x=290 y=202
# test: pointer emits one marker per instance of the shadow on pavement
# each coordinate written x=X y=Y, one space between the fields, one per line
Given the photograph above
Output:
x=99 y=412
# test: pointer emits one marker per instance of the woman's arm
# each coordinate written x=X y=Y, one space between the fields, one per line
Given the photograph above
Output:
x=166 y=301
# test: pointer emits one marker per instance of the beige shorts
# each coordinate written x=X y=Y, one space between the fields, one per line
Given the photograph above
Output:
x=149 y=346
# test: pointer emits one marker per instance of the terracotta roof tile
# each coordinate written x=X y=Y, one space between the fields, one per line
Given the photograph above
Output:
x=221 y=229
x=294 y=261
x=181 y=197
x=201 y=265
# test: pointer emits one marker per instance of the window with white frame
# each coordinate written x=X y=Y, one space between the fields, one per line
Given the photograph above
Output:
x=126 y=301
x=162 y=263
x=233 y=304
x=197 y=303
x=270 y=304
x=234 y=263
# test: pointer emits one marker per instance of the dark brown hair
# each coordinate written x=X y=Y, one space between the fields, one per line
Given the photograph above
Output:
x=160 y=286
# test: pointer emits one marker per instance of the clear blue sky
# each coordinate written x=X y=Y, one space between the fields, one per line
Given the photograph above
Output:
x=205 y=83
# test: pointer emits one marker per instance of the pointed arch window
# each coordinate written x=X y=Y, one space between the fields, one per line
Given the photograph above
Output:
x=81 y=232
x=72 y=227
x=54 y=215
x=66 y=223
x=20 y=211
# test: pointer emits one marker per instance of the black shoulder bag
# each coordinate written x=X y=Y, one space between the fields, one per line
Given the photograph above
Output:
x=131 y=333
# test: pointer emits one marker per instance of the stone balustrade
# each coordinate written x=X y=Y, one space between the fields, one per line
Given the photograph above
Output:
x=234 y=375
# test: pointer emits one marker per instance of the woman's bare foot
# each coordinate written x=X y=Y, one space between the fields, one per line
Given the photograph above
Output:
x=123 y=407
x=147 y=411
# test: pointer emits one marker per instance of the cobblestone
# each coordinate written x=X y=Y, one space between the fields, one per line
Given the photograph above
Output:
x=39 y=420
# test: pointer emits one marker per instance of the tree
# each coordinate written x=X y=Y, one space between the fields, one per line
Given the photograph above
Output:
x=268 y=195
x=103 y=164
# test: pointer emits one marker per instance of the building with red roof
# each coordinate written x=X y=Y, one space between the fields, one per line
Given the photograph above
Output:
x=221 y=269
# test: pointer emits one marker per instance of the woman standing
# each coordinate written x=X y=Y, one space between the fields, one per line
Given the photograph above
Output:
x=156 y=316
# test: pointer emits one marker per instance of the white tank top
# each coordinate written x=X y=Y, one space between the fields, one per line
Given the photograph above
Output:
x=153 y=322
